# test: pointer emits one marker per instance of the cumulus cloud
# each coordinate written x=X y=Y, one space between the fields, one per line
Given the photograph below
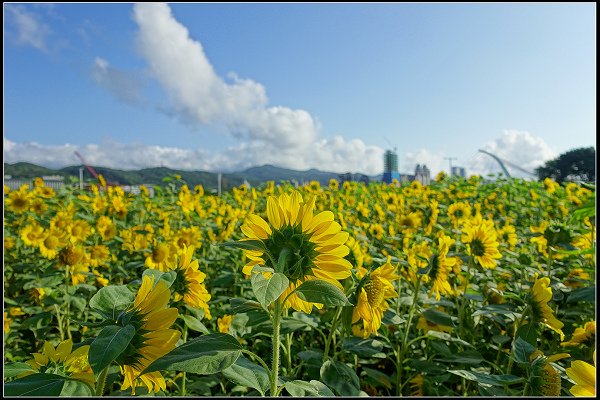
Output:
x=121 y=84
x=28 y=28
x=520 y=148
x=350 y=156
x=199 y=94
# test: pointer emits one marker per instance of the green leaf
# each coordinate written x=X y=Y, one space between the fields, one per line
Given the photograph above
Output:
x=16 y=368
x=194 y=324
x=317 y=291
x=245 y=245
x=522 y=350
x=528 y=332
x=314 y=388
x=486 y=379
x=47 y=385
x=447 y=336
x=74 y=387
x=168 y=277
x=368 y=348
x=471 y=357
x=242 y=305
x=437 y=317
x=341 y=378
x=205 y=355
x=108 y=345
x=378 y=377
x=244 y=372
x=112 y=298
x=269 y=290
x=583 y=294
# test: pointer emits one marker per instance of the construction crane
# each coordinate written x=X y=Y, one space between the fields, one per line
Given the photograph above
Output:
x=89 y=168
x=502 y=162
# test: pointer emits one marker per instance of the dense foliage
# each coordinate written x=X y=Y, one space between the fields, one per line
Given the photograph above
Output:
x=462 y=287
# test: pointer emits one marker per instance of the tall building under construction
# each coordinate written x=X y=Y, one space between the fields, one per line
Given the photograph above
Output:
x=390 y=166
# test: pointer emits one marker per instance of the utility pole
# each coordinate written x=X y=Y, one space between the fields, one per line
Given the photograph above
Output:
x=219 y=184
x=81 y=178
x=450 y=162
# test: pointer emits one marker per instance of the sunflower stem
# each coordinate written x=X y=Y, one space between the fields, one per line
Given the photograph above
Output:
x=101 y=381
x=404 y=344
x=276 y=343
x=334 y=324
x=183 y=378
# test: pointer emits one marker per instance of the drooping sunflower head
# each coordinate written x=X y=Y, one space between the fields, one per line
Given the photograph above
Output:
x=312 y=246
x=540 y=295
x=189 y=284
x=153 y=339
x=63 y=361
x=373 y=293
x=440 y=265
x=583 y=336
x=545 y=379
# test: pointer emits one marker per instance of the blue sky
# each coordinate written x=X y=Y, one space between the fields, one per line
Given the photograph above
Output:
x=328 y=86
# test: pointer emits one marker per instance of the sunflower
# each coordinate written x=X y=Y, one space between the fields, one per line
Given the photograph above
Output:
x=52 y=242
x=374 y=292
x=224 y=323
x=99 y=255
x=7 y=322
x=540 y=294
x=584 y=375
x=376 y=231
x=18 y=200
x=545 y=379
x=585 y=335
x=188 y=237
x=32 y=234
x=153 y=338
x=79 y=230
x=106 y=228
x=480 y=237
x=189 y=284
x=459 y=212
x=63 y=361
x=314 y=244
x=440 y=265
x=430 y=216
x=508 y=235
x=409 y=222
x=161 y=257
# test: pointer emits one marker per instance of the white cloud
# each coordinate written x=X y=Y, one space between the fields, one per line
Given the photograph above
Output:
x=30 y=30
x=433 y=161
x=520 y=148
x=198 y=94
x=125 y=86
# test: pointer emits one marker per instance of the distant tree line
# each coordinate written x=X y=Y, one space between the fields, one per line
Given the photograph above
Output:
x=573 y=165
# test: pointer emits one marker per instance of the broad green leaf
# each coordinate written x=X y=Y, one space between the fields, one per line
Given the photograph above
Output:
x=447 y=336
x=367 y=348
x=16 y=368
x=194 y=324
x=437 y=317
x=528 y=332
x=522 y=350
x=486 y=379
x=267 y=290
x=341 y=378
x=246 y=373
x=313 y=388
x=74 y=387
x=317 y=291
x=245 y=245
x=242 y=305
x=471 y=357
x=108 y=345
x=111 y=298
x=583 y=294
x=168 y=277
x=377 y=377
x=205 y=355
x=47 y=385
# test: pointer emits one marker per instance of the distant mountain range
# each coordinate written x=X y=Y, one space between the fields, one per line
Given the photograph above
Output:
x=254 y=175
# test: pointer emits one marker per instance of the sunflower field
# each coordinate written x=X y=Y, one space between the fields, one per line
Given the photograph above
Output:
x=458 y=288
